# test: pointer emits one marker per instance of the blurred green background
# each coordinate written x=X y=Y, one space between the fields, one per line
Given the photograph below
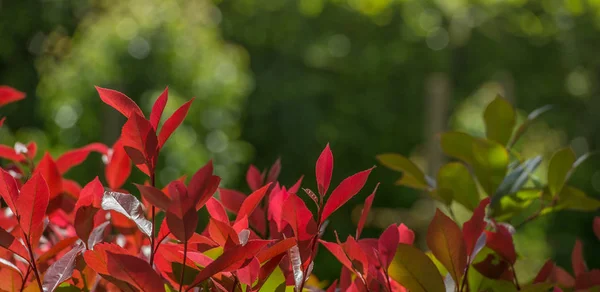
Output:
x=281 y=78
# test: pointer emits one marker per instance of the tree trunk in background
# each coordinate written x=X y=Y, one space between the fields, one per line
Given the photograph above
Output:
x=437 y=91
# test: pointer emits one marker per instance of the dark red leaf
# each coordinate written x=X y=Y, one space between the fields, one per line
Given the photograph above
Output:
x=9 y=190
x=173 y=122
x=11 y=243
x=47 y=168
x=136 y=156
x=118 y=167
x=365 y=212
x=75 y=157
x=596 y=226
x=387 y=245
x=254 y=178
x=89 y=202
x=155 y=196
x=446 y=242
x=276 y=249
x=119 y=101
x=182 y=218
x=229 y=258
x=358 y=257
x=587 y=280
x=332 y=287
x=158 y=108
x=252 y=201
x=97 y=235
x=473 y=228
x=134 y=271
x=137 y=133
x=32 y=204
x=344 y=192
x=544 y=272
x=577 y=260
x=62 y=269
x=493 y=268
x=562 y=277
x=2 y=121
x=502 y=243
x=324 y=169
x=203 y=185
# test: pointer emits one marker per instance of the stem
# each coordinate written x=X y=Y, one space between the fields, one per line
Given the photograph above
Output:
x=465 y=277
x=235 y=282
x=32 y=264
x=153 y=183
x=183 y=268
x=512 y=267
x=25 y=278
x=315 y=239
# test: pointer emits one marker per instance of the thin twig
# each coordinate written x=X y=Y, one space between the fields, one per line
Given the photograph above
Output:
x=25 y=278
x=185 y=244
x=153 y=183
x=32 y=263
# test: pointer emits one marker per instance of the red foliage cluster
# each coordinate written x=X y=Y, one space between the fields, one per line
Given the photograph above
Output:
x=99 y=237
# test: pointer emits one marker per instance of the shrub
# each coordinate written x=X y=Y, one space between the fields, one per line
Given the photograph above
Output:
x=58 y=235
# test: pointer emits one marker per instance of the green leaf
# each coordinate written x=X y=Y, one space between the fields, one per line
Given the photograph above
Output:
x=490 y=164
x=274 y=281
x=512 y=205
x=499 y=118
x=415 y=271
x=188 y=277
x=571 y=198
x=458 y=145
x=412 y=176
x=478 y=282
x=560 y=165
x=530 y=118
x=537 y=287
x=454 y=181
x=515 y=180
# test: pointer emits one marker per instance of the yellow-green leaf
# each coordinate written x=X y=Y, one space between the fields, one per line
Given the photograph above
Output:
x=560 y=165
x=415 y=271
x=412 y=176
x=455 y=181
x=458 y=145
x=537 y=287
x=499 y=118
x=490 y=164
x=571 y=198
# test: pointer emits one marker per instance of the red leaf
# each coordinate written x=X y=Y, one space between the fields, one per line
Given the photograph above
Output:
x=9 y=190
x=203 y=185
x=502 y=243
x=276 y=249
x=387 y=245
x=216 y=210
x=10 y=154
x=12 y=280
x=252 y=201
x=229 y=258
x=365 y=212
x=155 y=196
x=332 y=287
x=32 y=204
x=407 y=236
x=544 y=272
x=299 y=217
x=182 y=218
x=173 y=122
x=445 y=240
x=221 y=232
x=9 y=94
x=494 y=269
x=294 y=189
x=596 y=226
x=254 y=178
x=119 y=101
x=357 y=255
x=324 y=169
x=118 y=168
x=338 y=252
x=158 y=108
x=274 y=171
x=473 y=228
x=97 y=258
x=56 y=249
x=577 y=260
x=137 y=133
x=231 y=199
x=89 y=202
x=266 y=270
x=2 y=121
x=562 y=277
x=134 y=271
x=248 y=274
x=345 y=191
x=75 y=157
x=47 y=168
x=11 y=243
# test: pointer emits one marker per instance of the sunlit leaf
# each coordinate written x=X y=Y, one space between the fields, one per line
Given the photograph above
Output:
x=499 y=118
x=323 y=170
x=11 y=243
x=490 y=164
x=455 y=181
x=415 y=271
x=445 y=240
x=560 y=164
x=344 y=192
x=32 y=204
x=119 y=101
x=365 y=212
x=458 y=145
x=412 y=176
x=173 y=122
x=516 y=179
